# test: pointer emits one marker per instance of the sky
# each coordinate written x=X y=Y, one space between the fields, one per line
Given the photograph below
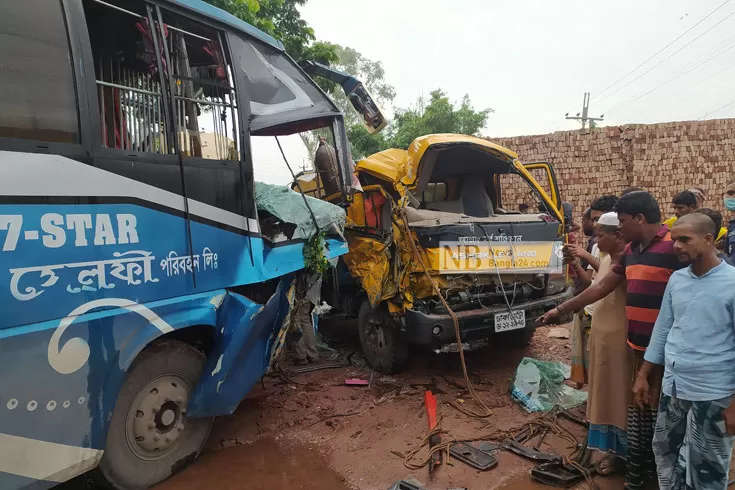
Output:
x=533 y=60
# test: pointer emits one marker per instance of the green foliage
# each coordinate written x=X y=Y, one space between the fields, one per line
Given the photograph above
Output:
x=364 y=143
x=440 y=115
x=282 y=20
x=314 y=258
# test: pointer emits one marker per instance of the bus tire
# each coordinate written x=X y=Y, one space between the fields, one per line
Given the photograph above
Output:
x=382 y=343
x=150 y=438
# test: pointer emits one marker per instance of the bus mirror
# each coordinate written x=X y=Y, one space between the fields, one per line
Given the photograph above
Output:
x=365 y=105
x=359 y=97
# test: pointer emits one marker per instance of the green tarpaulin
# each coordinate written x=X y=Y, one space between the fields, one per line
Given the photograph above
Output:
x=288 y=206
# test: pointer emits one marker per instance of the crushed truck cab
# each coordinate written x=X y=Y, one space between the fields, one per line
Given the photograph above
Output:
x=431 y=219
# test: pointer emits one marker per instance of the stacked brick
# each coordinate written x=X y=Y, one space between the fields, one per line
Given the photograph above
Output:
x=661 y=158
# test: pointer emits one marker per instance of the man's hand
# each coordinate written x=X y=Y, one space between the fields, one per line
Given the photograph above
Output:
x=641 y=392
x=728 y=415
x=549 y=316
x=579 y=252
x=574 y=249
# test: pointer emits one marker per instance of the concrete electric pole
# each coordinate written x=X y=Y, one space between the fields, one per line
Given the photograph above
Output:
x=584 y=114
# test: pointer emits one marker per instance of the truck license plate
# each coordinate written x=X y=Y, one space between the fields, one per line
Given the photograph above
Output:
x=514 y=320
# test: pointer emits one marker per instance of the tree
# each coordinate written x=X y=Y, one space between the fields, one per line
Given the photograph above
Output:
x=282 y=20
x=438 y=116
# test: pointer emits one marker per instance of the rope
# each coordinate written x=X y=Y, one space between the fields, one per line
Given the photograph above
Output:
x=484 y=410
x=443 y=447
x=545 y=423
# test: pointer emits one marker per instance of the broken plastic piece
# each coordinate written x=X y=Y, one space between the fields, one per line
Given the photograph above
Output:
x=357 y=382
x=406 y=485
x=486 y=446
x=473 y=456
x=558 y=474
x=530 y=453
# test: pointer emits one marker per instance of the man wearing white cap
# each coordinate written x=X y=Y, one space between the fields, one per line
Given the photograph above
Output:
x=610 y=364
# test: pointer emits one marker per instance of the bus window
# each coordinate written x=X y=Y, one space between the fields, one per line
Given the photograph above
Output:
x=203 y=93
x=128 y=78
x=37 y=98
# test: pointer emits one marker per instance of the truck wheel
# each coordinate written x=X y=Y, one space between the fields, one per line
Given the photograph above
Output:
x=384 y=347
x=519 y=338
x=150 y=437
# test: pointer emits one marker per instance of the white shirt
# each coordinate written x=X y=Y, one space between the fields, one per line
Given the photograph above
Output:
x=589 y=309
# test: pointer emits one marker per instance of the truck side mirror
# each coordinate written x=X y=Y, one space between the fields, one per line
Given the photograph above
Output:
x=566 y=209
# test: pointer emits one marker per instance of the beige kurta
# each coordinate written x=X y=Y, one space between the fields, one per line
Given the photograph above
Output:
x=610 y=362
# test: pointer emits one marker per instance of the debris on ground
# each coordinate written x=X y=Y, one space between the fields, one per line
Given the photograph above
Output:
x=407 y=485
x=539 y=385
x=336 y=437
x=558 y=333
x=357 y=382
x=472 y=456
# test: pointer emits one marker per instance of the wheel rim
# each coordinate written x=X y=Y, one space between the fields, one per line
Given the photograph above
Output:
x=375 y=335
x=156 y=419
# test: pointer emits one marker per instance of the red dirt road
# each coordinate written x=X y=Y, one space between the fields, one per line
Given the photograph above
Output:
x=312 y=432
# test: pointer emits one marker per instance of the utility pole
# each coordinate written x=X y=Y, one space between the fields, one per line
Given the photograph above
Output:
x=585 y=111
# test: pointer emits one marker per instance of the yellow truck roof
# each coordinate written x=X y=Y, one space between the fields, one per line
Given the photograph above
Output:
x=402 y=165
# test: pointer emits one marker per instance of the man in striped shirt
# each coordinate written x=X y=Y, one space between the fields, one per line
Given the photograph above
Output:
x=646 y=266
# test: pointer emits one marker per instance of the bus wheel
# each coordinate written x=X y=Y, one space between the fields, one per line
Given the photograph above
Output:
x=150 y=437
x=384 y=347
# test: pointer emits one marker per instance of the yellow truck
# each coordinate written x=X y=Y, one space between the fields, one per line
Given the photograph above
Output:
x=431 y=221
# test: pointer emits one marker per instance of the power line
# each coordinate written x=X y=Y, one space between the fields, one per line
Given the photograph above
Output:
x=702 y=56
x=696 y=84
x=656 y=87
x=670 y=56
x=664 y=48
x=688 y=87
x=703 y=116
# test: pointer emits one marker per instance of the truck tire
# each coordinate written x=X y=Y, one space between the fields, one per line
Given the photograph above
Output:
x=150 y=437
x=382 y=343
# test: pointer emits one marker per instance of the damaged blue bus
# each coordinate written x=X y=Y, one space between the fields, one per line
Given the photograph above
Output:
x=143 y=294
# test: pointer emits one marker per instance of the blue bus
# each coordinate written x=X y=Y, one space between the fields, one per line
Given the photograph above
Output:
x=141 y=297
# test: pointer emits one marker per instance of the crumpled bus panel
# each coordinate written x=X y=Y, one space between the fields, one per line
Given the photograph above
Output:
x=241 y=354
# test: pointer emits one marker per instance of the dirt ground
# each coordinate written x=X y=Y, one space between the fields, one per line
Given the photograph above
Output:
x=310 y=431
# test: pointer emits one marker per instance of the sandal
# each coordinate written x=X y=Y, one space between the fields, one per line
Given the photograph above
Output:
x=608 y=466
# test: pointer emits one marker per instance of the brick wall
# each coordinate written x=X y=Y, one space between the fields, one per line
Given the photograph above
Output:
x=661 y=158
